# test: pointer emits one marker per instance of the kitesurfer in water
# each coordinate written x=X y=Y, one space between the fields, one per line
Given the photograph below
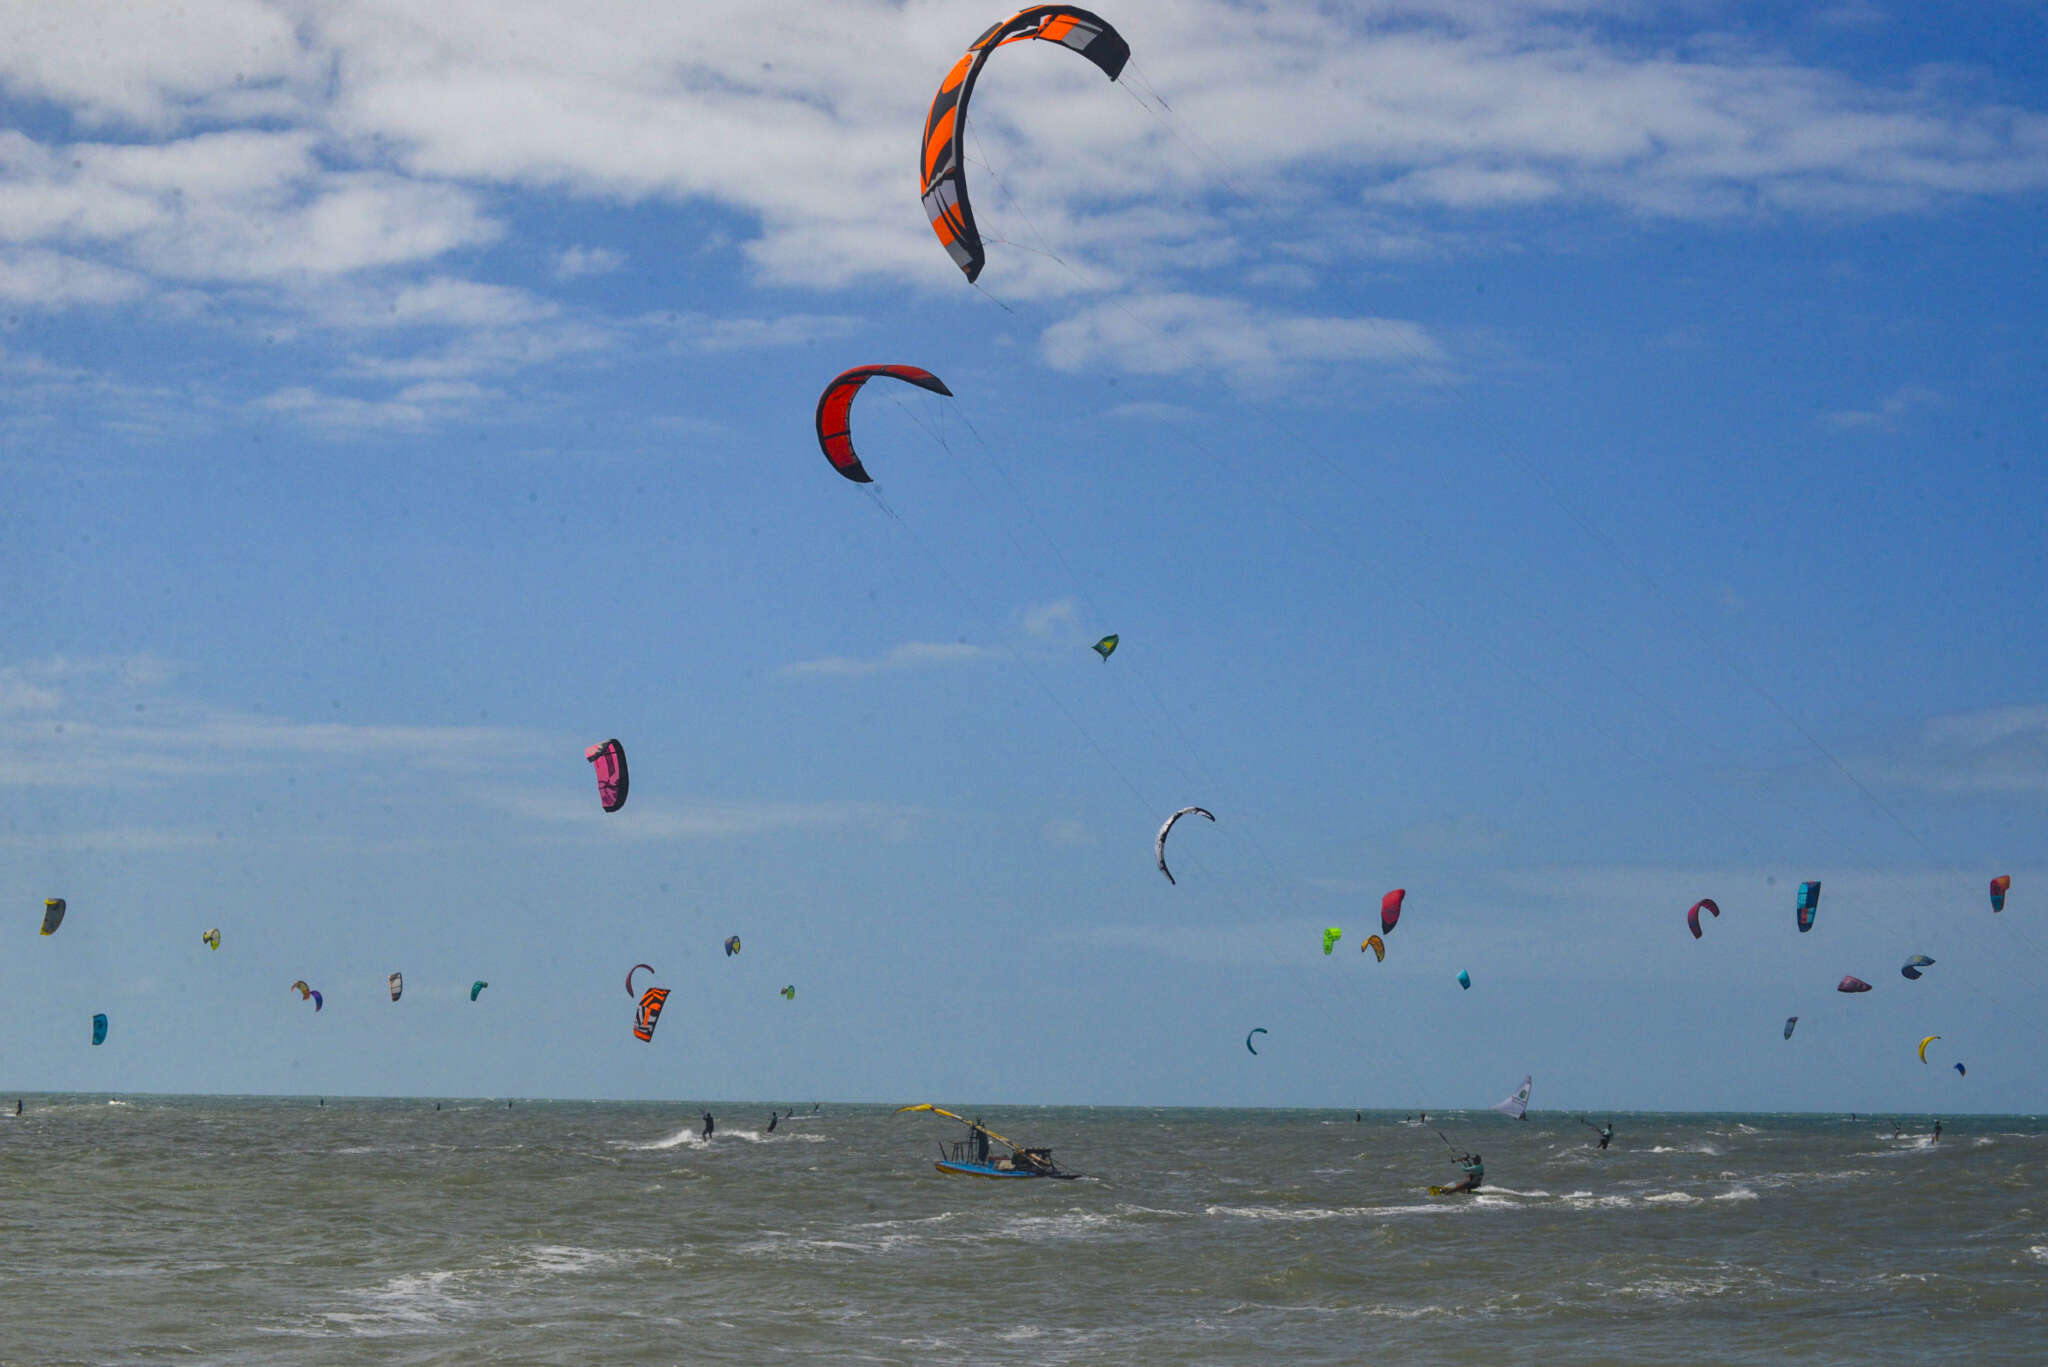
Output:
x=1475 y=1173
x=708 y=1127
x=771 y=1122
x=1607 y=1135
x=1937 y=1131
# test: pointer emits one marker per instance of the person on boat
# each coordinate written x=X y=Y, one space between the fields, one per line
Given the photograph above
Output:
x=1607 y=1135
x=1475 y=1173
x=708 y=1125
x=980 y=1142
x=771 y=1122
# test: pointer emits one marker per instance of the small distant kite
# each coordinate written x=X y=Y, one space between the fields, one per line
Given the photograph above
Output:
x=53 y=914
x=397 y=984
x=732 y=945
x=1807 y=905
x=1257 y=1030
x=318 y=1001
x=211 y=938
x=1377 y=946
x=1999 y=887
x=99 y=1028
x=1912 y=967
x=835 y=435
x=301 y=988
x=1105 y=647
x=1390 y=910
x=789 y=992
x=476 y=987
x=1692 y=918
x=609 y=759
x=1331 y=935
x=1961 y=1069
x=650 y=1012
x=631 y=971
x=1790 y=1021
x=1851 y=983
x=1464 y=980
x=1159 y=844
x=1923 y=1046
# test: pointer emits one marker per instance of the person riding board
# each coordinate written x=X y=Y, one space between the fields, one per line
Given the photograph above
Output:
x=1475 y=1173
x=708 y=1125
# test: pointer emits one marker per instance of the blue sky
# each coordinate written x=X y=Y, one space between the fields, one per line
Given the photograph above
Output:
x=1563 y=459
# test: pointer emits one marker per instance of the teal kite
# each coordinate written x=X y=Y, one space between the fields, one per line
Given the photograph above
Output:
x=476 y=987
x=1105 y=647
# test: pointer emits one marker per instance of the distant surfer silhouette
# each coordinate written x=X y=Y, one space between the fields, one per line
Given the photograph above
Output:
x=708 y=1125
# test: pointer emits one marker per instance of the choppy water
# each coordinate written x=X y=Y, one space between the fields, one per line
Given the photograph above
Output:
x=262 y=1230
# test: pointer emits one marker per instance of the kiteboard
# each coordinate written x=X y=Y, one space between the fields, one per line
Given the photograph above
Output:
x=1450 y=1191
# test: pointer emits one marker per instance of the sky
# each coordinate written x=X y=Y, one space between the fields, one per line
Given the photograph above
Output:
x=1563 y=459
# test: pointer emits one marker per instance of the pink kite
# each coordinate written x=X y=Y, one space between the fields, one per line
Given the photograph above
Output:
x=610 y=759
x=1692 y=918
x=1390 y=910
x=1851 y=983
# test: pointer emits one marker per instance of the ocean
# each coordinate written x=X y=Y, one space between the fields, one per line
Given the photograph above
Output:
x=280 y=1230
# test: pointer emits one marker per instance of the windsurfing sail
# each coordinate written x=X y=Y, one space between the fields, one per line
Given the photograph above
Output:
x=608 y=758
x=1517 y=1105
x=53 y=914
x=1159 y=845
x=732 y=945
x=1332 y=935
x=1377 y=946
x=397 y=984
x=1807 y=905
x=1999 y=887
x=650 y=1012
x=1106 y=646
x=1256 y=1030
x=1692 y=918
x=972 y=1125
x=476 y=987
x=631 y=971
x=1390 y=910
x=99 y=1028
x=1464 y=980
x=1911 y=968
x=1790 y=1021
x=211 y=938
x=1851 y=983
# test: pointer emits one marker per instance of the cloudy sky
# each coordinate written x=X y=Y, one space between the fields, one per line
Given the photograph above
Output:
x=1566 y=459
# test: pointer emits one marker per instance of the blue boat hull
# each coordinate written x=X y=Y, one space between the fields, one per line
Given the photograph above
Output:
x=990 y=1170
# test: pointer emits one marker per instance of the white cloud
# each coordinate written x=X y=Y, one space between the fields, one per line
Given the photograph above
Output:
x=704 y=332
x=46 y=279
x=1994 y=750
x=1047 y=618
x=716 y=820
x=1883 y=418
x=1154 y=412
x=573 y=263
x=909 y=655
x=1168 y=333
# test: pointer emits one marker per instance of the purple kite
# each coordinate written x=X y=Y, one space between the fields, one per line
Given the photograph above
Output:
x=1852 y=983
x=1692 y=918
x=609 y=757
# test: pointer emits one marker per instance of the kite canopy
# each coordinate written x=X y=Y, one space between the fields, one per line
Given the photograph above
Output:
x=941 y=178
x=1257 y=1030
x=1808 y=904
x=631 y=971
x=835 y=436
x=609 y=757
x=1915 y=964
x=1923 y=1046
x=1376 y=945
x=477 y=987
x=397 y=983
x=1692 y=918
x=650 y=1012
x=1961 y=1069
x=789 y=992
x=1790 y=1021
x=211 y=938
x=1999 y=887
x=53 y=914
x=1331 y=935
x=301 y=988
x=99 y=1028
x=1390 y=910
x=1105 y=647
x=732 y=945
x=1159 y=844
x=1464 y=980
x=318 y=1001
x=1851 y=983
x=1518 y=1104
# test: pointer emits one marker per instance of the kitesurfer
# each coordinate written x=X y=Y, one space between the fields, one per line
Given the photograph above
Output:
x=708 y=1126
x=1937 y=1131
x=1607 y=1134
x=1475 y=1173
x=771 y=1122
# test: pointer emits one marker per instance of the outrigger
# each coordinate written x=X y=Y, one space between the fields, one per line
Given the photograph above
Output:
x=970 y=1157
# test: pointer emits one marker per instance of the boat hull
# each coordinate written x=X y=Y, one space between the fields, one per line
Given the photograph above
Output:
x=991 y=1171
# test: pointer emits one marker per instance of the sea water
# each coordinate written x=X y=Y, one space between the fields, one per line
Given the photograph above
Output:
x=247 y=1230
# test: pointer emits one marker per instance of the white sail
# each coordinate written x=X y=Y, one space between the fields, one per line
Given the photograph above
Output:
x=1518 y=1104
